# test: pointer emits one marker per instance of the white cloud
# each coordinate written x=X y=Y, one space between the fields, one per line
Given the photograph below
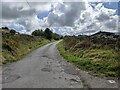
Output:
x=64 y=30
x=65 y=14
x=98 y=19
x=69 y=18
x=31 y=23
x=27 y=25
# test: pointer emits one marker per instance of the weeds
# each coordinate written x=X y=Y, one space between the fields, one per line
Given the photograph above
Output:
x=99 y=61
x=14 y=47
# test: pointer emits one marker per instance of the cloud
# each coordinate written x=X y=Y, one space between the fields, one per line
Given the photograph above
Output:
x=65 y=14
x=14 y=10
x=31 y=23
x=27 y=25
x=119 y=25
x=68 y=18
x=96 y=19
x=112 y=23
x=104 y=13
x=23 y=17
x=18 y=27
x=64 y=30
x=102 y=17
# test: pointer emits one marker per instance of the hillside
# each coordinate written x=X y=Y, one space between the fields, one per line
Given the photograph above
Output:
x=16 y=45
x=98 y=53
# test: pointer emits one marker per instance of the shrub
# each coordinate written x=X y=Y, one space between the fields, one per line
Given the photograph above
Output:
x=12 y=32
x=48 y=34
x=38 y=33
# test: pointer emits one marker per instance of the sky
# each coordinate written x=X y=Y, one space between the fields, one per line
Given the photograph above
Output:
x=65 y=18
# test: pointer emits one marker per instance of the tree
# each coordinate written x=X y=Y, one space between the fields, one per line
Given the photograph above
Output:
x=38 y=33
x=61 y=37
x=48 y=34
x=5 y=28
x=56 y=36
x=12 y=32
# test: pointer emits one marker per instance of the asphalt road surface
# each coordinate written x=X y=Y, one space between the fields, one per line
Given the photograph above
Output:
x=42 y=68
x=45 y=68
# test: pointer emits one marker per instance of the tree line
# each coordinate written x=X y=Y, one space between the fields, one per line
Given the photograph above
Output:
x=47 y=33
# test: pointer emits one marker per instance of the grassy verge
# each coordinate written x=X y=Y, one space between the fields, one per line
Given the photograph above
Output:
x=99 y=62
x=16 y=47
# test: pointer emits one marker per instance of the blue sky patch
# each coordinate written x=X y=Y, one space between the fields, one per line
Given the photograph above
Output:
x=43 y=15
x=112 y=5
x=109 y=5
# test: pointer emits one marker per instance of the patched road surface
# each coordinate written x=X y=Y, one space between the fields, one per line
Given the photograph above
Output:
x=43 y=68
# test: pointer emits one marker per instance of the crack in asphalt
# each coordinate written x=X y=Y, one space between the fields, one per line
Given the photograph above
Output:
x=10 y=78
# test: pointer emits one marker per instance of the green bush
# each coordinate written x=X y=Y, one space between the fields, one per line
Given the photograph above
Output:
x=12 y=32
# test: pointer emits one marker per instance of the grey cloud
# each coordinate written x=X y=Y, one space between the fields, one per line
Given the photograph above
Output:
x=103 y=17
x=64 y=30
x=69 y=14
x=119 y=25
x=91 y=26
x=26 y=23
x=9 y=12
x=17 y=27
x=89 y=31
x=111 y=24
x=15 y=12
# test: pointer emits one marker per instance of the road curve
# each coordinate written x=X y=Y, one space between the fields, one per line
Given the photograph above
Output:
x=42 y=68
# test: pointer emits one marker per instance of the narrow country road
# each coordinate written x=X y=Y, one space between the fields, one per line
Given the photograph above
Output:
x=45 y=68
x=42 y=68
